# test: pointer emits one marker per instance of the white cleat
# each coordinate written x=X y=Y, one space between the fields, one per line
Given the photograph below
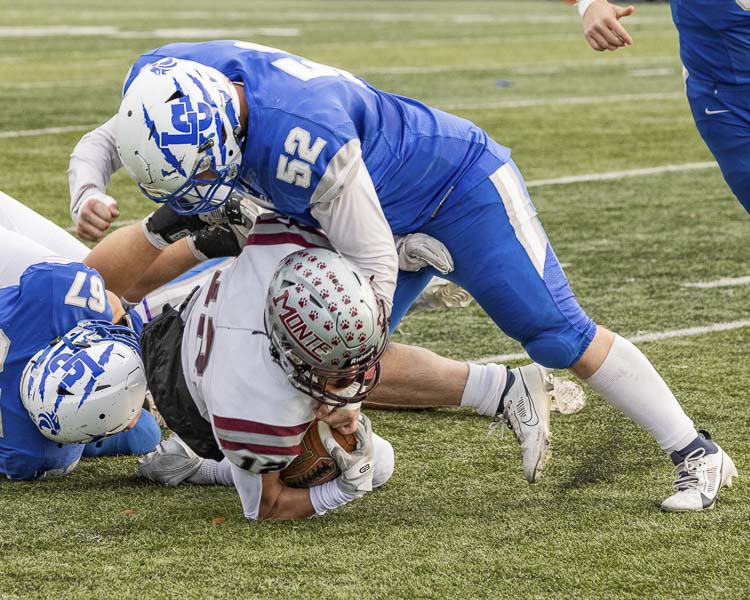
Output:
x=171 y=463
x=527 y=401
x=698 y=481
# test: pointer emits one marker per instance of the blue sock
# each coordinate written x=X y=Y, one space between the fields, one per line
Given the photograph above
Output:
x=139 y=440
x=703 y=440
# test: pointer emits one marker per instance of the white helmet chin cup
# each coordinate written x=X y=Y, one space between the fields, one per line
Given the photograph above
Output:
x=87 y=385
x=177 y=134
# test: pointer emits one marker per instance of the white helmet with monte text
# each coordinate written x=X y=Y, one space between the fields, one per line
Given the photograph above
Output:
x=326 y=326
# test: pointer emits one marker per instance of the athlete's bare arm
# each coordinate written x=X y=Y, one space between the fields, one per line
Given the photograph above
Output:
x=279 y=502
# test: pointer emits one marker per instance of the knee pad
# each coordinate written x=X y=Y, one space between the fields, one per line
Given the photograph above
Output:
x=384 y=461
x=556 y=351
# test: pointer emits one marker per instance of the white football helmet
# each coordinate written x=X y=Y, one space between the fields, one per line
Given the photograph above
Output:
x=326 y=326
x=178 y=134
x=87 y=385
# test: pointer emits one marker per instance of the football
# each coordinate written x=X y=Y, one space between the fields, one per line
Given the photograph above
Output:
x=314 y=465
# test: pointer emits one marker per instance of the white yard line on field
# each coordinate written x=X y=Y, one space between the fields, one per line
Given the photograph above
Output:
x=117 y=32
x=660 y=72
x=519 y=68
x=46 y=131
x=622 y=174
x=724 y=282
x=561 y=101
x=646 y=337
x=56 y=30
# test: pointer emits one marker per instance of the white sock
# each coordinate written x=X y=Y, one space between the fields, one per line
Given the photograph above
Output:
x=628 y=381
x=484 y=387
x=212 y=472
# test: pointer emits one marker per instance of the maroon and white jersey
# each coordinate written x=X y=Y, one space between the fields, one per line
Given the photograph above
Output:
x=258 y=417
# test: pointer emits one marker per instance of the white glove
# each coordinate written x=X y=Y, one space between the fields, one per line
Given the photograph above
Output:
x=419 y=250
x=356 y=466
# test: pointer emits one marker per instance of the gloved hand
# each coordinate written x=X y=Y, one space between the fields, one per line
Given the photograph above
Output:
x=238 y=214
x=214 y=241
x=419 y=250
x=164 y=226
x=356 y=466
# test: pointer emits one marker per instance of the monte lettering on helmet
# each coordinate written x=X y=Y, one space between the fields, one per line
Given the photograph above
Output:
x=315 y=347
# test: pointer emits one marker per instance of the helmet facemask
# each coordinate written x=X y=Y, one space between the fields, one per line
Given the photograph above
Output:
x=334 y=387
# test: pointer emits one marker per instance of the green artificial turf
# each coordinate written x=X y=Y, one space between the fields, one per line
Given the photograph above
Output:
x=457 y=520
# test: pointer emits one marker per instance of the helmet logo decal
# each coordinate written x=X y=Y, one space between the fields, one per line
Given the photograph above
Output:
x=308 y=340
x=208 y=103
x=163 y=66
x=188 y=122
x=48 y=420
x=168 y=156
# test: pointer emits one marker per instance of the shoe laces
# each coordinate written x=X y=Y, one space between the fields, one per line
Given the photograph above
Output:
x=688 y=471
x=503 y=422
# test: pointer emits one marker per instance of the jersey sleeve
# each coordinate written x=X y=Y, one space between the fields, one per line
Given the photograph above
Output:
x=300 y=153
x=93 y=162
x=354 y=221
x=257 y=446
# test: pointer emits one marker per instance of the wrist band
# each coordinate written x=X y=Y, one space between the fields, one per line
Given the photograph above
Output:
x=583 y=5
x=328 y=496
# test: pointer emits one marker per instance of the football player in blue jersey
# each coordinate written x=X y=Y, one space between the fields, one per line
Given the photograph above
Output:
x=201 y=122
x=71 y=382
x=715 y=52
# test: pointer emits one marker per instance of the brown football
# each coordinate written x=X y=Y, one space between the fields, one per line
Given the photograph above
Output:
x=314 y=465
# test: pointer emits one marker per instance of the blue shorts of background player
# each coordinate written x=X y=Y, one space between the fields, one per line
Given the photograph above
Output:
x=722 y=115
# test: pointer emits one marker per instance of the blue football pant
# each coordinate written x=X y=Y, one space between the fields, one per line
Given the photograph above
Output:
x=503 y=259
x=35 y=457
